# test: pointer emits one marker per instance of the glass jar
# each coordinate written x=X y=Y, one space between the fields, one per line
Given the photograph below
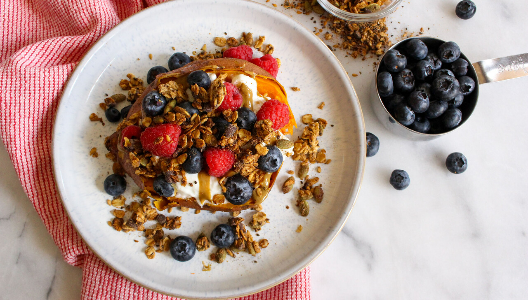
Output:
x=385 y=10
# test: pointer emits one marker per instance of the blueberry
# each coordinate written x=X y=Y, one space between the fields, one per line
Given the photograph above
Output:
x=125 y=110
x=178 y=60
x=272 y=161
x=404 y=81
x=194 y=162
x=385 y=85
x=372 y=144
x=115 y=185
x=457 y=101
x=424 y=87
x=246 y=118
x=448 y=52
x=182 y=248
x=418 y=101
x=112 y=114
x=154 y=103
x=400 y=179
x=220 y=125
x=465 y=9
x=223 y=236
x=451 y=118
x=467 y=85
x=392 y=101
x=434 y=60
x=443 y=72
x=416 y=49
x=238 y=189
x=421 y=124
x=460 y=67
x=436 y=109
x=456 y=163
x=445 y=88
x=155 y=71
x=423 y=70
x=162 y=187
x=404 y=114
x=189 y=108
x=394 y=61
x=200 y=78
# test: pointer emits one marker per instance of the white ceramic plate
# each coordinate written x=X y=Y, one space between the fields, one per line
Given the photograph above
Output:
x=186 y=25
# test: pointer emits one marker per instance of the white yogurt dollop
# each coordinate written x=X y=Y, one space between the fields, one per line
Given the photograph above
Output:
x=251 y=83
x=188 y=191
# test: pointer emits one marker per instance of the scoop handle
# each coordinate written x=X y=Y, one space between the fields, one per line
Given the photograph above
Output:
x=498 y=69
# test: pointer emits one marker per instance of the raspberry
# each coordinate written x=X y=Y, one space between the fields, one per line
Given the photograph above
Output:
x=233 y=99
x=275 y=111
x=243 y=52
x=161 y=140
x=219 y=161
x=130 y=132
x=268 y=63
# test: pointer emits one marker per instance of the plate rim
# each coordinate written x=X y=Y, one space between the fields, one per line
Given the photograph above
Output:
x=99 y=44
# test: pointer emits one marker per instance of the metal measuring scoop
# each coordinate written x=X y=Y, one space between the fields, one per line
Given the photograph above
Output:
x=490 y=70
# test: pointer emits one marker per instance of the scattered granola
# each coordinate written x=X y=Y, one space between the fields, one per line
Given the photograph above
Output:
x=288 y=185
x=299 y=229
x=94 y=118
x=202 y=243
x=321 y=105
x=259 y=219
x=263 y=243
x=133 y=85
x=295 y=89
x=206 y=266
x=93 y=152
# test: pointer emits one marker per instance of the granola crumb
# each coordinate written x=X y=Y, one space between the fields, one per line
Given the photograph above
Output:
x=295 y=89
x=93 y=152
x=94 y=118
x=299 y=229
x=206 y=266
x=197 y=211
x=259 y=219
x=287 y=207
x=220 y=41
x=150 y=252
x=354 y=75
x=274 y=5
x=321 y=105
x=150 y=56
x=202 y=243
x=318 y=169
x=263 y=243
x=173 y=48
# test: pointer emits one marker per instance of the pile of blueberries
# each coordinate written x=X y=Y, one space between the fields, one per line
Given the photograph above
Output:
x=424 y=88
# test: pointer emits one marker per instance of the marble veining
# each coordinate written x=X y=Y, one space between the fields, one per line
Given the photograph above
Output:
x=445 y=237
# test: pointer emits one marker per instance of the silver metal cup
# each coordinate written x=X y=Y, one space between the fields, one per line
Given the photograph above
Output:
x=485 y=71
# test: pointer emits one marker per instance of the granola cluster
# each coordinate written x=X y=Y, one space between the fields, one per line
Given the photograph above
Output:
x=306 y=149
x=133 y=85
x=244 y=241
x=136 y=215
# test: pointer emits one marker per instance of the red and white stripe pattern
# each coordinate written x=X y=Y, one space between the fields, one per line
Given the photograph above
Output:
x=41 y=43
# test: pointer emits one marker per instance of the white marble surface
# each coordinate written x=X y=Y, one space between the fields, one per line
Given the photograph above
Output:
x=445 y=237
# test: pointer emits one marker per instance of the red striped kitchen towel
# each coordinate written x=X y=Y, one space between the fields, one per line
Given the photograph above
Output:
x=41 y=43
